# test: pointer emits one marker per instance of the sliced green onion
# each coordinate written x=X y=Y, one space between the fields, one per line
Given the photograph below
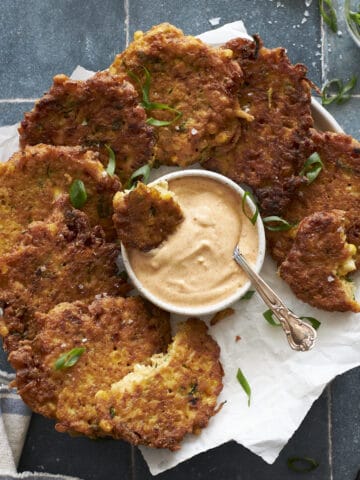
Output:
x=302 y=464
x=355 y=17
x=141 y=174
x=248 y=295
x=328 y=14
x=145 y=90
x=277 y=224
x=253 y=217
x=312 y=167
x=110 y=169
x=78 y=195
x=244 y=383
x=112 y=412
x=314 y=322
x=69 y=359
x=269 y=317
x=336 y=91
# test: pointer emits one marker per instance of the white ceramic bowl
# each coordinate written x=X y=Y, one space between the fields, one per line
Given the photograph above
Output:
x=208 y=308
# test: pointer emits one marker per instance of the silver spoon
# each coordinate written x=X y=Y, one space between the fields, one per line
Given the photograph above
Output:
x=300 y=335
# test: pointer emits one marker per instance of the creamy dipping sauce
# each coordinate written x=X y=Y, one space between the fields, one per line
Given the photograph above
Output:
x=194 y=266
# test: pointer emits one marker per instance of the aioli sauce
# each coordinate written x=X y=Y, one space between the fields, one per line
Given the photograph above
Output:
x=194 y=266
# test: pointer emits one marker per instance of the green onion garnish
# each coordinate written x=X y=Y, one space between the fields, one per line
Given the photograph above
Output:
x=78 y=195
x=141 y=174
x=145 y=90
x=248 y=295
x=312 y=167
x=302 y=464
x=355 y=17
x=112 y=412
x=314 y=322
x=269 y=317
x=328 y=14
x=244 y=383
x=336 y=91
x=110 y=169
x=277 y=224
x=68 y=359
x=253 y=217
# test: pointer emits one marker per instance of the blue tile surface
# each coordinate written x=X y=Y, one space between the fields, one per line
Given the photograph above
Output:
x=42 y=38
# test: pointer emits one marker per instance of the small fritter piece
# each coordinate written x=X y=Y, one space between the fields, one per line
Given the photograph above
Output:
x=197 y=80
x=319 y=261
x=336 y=186
x=146 y=216
x=103 y=110
x=158 y=404
x=61 y=259
x=113 y=335
x=32 y=179
x=267 y=152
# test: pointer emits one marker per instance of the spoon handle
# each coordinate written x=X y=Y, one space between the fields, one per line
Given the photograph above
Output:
x=300 y=335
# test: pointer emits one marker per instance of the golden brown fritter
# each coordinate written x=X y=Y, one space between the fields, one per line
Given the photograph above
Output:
x=267 y=152
x=114 y=333
x=103 y=110
x=337 y=186
x=61 y=259
x=319 y=261
x=158 y=404
x=197 y=80
x=32 y=179
x=146 y=216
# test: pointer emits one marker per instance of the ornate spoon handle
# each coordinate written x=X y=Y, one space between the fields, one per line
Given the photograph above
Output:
x=301 y=336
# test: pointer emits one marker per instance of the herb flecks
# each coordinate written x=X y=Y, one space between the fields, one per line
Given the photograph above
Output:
x=328 y=13
x=312 y=167
x=244 y=383
x=336 y=91
x=78 y=194
x=269 y=317
x=249 y=294
x=110 y=169
x=69 y=359
x=252 y=216
x=148 y=105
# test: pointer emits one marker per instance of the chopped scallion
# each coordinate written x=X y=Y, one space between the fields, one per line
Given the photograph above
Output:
x=253 y=217
x=336 y=91
x=269 y=317
x=110 y=169
x=69 y=359
x=313 y=321
x=78 y=195
x=328 y=14
x=277 y=224
x=312 y=167
x=302 y=464
x=248 y=295
x=141 y=174
x=244 y=383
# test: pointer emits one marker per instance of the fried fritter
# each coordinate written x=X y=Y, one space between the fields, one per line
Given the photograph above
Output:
x=113 y=335
x=146 y=216
x=32 y=179
x=197 y=80
x=319 y=261
x=61 y=259
x=337 y=186
x=158 y=404
x=267 y=152
x=103 y=110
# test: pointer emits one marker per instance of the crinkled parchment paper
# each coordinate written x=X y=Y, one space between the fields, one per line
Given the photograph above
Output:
x=284 y=383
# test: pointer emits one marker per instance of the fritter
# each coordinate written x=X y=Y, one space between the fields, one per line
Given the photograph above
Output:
x=319 y=261
x=110 y=335
x=158 y=404
x=267 y=152
x=198 y=81
x=32 y=179
x=145 y=216
x=336 y=186
x=103 y=110
x=61 y=259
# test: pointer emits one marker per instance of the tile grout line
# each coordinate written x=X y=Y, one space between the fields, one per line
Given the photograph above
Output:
x=127 y=22
x=329 y=406
x=18 y=100
x=132 y=461
x=323 y=62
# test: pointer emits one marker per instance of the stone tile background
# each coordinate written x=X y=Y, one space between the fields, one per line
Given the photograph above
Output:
x=41 y=38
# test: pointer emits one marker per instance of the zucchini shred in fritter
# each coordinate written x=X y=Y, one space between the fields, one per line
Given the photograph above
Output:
x=103 y=110
x=198 y=81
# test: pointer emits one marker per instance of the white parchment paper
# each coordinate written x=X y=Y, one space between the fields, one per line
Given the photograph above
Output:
x=284 y=383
